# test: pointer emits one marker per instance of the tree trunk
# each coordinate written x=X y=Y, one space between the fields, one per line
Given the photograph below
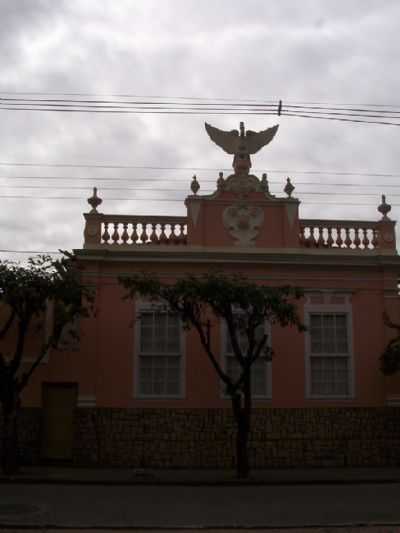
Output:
x=242 y=437
x=9 y=459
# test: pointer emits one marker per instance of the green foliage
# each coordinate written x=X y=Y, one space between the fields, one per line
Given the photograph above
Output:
x=222 y=294
x=390 y=359
x=243 y=305
x=25 y=292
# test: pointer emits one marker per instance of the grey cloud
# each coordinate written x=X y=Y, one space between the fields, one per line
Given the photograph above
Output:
x=308 y=51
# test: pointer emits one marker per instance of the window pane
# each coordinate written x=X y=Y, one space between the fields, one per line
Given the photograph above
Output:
x=329 y=376
x=259 y=382
x=328 y=333
x=160 y=354
x=159 y=375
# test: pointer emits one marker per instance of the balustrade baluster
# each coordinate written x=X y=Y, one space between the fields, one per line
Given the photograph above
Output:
x=163 y=238
x=115 y=234
x=125 y=234
x=145 y=234
x=182 y=236
x=302 y=240
x=308 y=236
x=347 y=240
x=320 y=241
x=365 y=239
x=106 y=234
x=330 y=240
x=135 y=235
x=375 y=239
x=339 y=238
x=357 y=240
x=153 y=234
x=175 y=234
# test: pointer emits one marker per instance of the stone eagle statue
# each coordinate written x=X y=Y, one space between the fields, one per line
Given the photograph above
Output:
x=241 y=145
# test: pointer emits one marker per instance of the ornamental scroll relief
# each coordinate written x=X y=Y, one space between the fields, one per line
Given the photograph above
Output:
x=243 y=222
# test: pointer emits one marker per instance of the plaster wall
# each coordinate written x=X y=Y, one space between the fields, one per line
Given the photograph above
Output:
x=104 y=365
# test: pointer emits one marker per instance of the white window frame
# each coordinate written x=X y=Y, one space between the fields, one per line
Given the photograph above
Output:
x=329 y=309
x=143 y=306
x=268 y=364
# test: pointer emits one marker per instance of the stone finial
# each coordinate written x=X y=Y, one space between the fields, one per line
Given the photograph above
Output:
x=384 y=208
x=221 y=182
x=264 y=183
x=194 y=186
x=289 y=188
x=94 y=201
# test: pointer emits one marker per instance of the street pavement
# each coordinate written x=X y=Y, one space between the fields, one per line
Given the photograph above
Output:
x=179 y=506
x=132 y=476
x=343 y=529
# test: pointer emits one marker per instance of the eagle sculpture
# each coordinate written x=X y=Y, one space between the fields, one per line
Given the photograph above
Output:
x=241 y=145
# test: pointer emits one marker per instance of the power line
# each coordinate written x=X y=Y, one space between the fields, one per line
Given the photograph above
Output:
x=186 y=100
x=197 y=169
x=302 y=115
x=192 y=107
x=31 y=252
x=170 y=200
x=75 y=188
x=107 y=105
x=132 y=112
x=131 y=95
x=145 y=179
x=180 y=97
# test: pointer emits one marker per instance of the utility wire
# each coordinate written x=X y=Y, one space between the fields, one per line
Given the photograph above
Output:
x=208 y=189
x=343 y=114
x=385 y=123
x=167 y=102
x=167 y=200
x=150 y=179
x=31 y=252
x=195 y=98
x=197 y=169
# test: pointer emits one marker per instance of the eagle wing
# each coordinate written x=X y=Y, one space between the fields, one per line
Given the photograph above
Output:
x=227 y=140
x=255 y=140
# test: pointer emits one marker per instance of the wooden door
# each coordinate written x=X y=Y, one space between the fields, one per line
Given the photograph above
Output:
x=59 y=401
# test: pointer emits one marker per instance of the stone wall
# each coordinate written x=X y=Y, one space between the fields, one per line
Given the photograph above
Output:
x=161 y=438
x=197 y=438
x=29 y=434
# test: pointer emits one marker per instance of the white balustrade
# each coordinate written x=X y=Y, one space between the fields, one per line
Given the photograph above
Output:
x=346 y=234
x=139 y=230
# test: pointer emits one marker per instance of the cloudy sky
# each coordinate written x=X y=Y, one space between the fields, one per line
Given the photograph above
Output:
x=344 y=53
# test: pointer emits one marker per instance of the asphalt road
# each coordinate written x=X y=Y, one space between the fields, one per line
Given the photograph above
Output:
x=179 y=506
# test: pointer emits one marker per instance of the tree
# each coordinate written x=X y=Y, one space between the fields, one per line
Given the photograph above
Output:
x=390 y=359
x=26 y=291
x=244 y=306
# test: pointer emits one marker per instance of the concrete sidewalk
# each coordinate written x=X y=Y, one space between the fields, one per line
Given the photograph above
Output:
x=131 y=476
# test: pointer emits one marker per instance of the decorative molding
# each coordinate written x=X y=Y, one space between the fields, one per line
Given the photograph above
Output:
x=245 y=184
x=243 y=223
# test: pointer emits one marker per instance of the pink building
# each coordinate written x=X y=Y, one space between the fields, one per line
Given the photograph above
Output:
x=150 y=369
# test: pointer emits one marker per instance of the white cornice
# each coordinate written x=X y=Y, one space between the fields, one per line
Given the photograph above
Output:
x=233 y=255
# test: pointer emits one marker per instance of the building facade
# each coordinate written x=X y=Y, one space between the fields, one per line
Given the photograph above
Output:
x=138 y=389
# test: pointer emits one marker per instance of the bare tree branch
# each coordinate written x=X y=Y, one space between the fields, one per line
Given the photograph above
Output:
x=8 y=324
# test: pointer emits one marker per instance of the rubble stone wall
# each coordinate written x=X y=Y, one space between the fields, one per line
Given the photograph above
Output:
x=205 y=438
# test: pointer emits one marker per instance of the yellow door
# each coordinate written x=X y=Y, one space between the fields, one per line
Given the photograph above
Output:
x=59 y=402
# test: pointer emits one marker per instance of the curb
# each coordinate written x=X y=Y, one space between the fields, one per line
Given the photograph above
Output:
x=193 y=483
x=194 y=527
